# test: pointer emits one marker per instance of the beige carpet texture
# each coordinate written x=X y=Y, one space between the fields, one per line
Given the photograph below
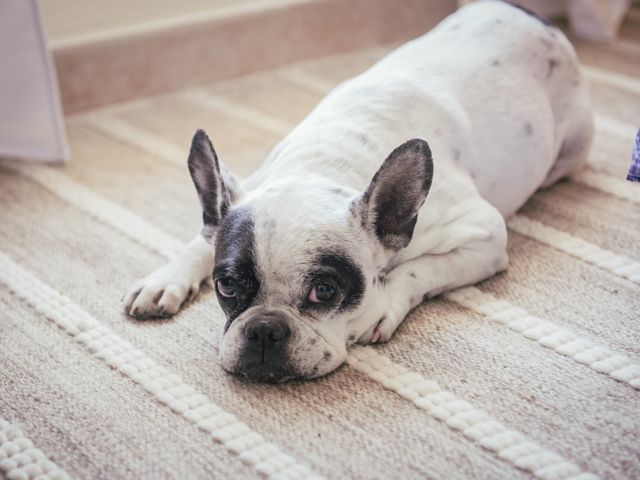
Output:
x=534 y=373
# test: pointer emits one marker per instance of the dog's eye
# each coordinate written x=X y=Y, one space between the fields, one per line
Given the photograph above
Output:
x=226 y=287
x=322 y=292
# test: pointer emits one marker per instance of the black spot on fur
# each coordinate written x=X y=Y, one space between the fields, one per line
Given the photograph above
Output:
x=528 y=129
x=351 y=337
x=412 y=274
x=313 y=341
x=340 y=269
x=455 y=153
x=327 y=355
x=552 y=64
x=540 y=18
x=235 y=258
x=495 y=63
x=363 y=139
x=339 y=191
x=381 y=278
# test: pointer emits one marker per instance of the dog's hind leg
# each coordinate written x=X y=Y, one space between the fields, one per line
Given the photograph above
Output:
x=574 y=151
x=574 y=128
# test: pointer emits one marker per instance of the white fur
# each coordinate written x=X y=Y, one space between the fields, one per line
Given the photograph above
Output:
x=502 y=103
x=163 y=292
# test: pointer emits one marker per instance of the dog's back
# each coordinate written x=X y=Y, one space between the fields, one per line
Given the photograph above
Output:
x=490 y=86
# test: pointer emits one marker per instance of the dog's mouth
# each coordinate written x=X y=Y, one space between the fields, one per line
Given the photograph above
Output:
x=264 y=373
x=265 y=349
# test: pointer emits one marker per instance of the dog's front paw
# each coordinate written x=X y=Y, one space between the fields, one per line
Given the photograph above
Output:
x=396 y=309
x=383 y=330
x=160 y=294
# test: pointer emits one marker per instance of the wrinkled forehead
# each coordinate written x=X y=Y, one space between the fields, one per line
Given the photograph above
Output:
x=281 y=240
x=291 y=218
x=291 y=241
x=295 y=204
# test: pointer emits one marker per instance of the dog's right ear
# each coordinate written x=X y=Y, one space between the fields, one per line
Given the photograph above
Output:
x=215 y=185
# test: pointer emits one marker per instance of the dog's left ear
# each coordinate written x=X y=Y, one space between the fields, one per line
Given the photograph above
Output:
x=215 y=185
x=389 y=207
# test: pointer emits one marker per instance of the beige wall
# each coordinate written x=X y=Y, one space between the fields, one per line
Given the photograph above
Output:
x=70 y=18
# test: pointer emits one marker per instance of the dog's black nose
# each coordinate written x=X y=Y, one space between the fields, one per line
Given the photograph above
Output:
x=267 y=332
x=265 y=353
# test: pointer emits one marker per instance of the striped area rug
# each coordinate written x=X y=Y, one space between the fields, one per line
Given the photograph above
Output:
x=533 y=373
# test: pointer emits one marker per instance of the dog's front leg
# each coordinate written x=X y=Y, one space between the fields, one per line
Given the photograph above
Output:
x=163 y=292
x=431 y=274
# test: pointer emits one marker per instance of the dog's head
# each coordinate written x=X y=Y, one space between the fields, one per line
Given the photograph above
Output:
x=297 y=260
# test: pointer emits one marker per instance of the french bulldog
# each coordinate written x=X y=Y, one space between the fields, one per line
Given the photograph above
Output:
x=394 y=189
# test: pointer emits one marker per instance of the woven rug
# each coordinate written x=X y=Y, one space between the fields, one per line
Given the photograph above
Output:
x=533 y=373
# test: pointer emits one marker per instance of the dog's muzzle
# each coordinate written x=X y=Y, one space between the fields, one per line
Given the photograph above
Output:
x=265 y=352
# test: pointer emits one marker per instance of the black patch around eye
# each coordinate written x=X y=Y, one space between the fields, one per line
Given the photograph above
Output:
x=345 y=273
x=235 y=257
